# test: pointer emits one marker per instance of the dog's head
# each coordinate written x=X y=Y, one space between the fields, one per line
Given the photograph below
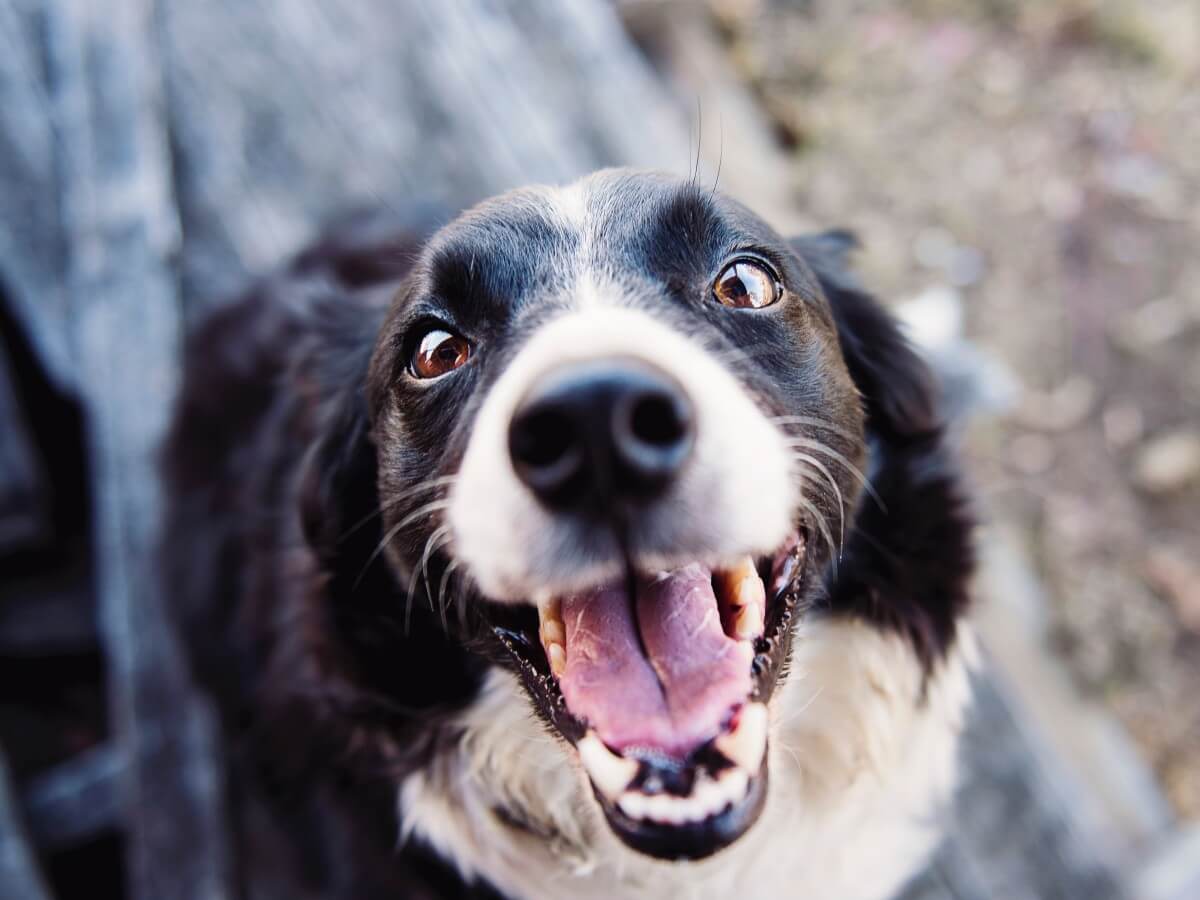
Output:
x=617 y=433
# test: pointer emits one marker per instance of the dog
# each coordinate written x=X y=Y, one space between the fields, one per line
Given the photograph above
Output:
x=602 y=544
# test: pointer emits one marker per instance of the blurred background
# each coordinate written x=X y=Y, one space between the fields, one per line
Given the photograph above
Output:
x=1025 y=179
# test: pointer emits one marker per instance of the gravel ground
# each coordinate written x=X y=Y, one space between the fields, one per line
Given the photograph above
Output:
x=1042 y=162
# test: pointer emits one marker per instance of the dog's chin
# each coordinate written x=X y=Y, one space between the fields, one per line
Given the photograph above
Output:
x=660 y=682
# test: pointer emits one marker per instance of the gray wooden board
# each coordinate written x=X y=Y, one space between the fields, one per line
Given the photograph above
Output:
x=20 y=878
x=153 y=154
x=24 y=515
x=1009 y=834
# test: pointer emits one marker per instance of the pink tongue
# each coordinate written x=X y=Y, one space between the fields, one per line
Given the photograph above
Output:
x=674 y=697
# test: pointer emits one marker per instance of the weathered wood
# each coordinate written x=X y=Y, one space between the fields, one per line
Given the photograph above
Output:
x=20 y=878
x=119 y=232
x=1009 y=833
x=30 y=227
x=77 y=800
x=284 y=113
x=47 y=613
x=24 y=518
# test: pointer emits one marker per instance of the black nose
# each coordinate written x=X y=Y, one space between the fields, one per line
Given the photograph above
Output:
x=601 y=433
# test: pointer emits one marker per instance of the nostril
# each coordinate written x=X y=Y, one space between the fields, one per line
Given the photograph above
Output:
x=541 y=439
x=652 y=436
x=658 y=420
x=544 y=445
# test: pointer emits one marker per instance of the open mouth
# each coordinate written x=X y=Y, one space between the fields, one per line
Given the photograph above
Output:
x=664 y=693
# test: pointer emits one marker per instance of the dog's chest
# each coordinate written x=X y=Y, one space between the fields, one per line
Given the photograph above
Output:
x=861 y=763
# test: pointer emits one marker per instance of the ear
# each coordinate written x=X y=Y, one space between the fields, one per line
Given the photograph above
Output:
x=898 y=389
x=908 y=559
x=337 y=487
x=338 y=495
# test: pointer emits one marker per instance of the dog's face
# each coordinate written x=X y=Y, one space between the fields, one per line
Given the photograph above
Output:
x=614 y=425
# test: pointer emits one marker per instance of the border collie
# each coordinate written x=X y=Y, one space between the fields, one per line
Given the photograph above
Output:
x=604 y=544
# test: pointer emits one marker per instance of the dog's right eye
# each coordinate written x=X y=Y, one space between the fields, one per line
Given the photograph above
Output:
x=747 y=284
x=438 y=353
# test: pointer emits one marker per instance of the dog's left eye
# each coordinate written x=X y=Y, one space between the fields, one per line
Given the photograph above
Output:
x=747 y=284
x=438 y=353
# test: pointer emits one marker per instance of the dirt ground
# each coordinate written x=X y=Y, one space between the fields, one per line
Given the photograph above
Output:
x=1042 y=161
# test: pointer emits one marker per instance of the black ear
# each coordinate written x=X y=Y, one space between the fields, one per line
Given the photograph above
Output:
x=338 y=496
x=337 y=487
x=899 y=391
x=907 y=560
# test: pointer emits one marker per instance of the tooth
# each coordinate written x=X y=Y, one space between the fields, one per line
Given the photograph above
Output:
x=633 y=804
x=747 y=743
x=553 y=631
x=553 y=635
x=733 y=576
x=549 y=609
x=745 y=596
x=749 y=589
x=734 y=784
x=707 y=798
x=609 y=772
x=748 y=622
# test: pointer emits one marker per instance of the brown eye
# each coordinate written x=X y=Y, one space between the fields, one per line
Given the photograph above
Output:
x=438 y=353
x=746 y=284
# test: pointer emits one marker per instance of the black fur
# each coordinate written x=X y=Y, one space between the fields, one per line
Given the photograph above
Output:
x=908 y=559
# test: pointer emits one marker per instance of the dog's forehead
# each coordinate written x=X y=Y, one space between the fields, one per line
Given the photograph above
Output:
x=615 y=223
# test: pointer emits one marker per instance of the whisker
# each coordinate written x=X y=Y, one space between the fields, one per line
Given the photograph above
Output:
x=822 y=469
x=446 y=573
x=792 y=753
x=426 y=485
x=796 y=441
x=794 y=714
x=437 y=537
x=720 y=153
x=823 y=526
x=418 y=513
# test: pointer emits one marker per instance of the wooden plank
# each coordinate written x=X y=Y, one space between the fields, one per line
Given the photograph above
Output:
x=285 y=113
x=76 y=800
x=1010 y=833
x=20 y=878
x=120 y=231
x=24 y=516
x=30 y=228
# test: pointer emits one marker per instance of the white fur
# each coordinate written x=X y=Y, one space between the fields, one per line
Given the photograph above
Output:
x=514 y=549
x=861 y=766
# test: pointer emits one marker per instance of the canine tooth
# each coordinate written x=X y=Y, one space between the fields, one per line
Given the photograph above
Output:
x=750 y=589
x=609 y=772
x=747 y=743
x=558 y=659
x=737 y=578
x=549 y=609
x=553 y=631
x=745 y=596
x=748 y=622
